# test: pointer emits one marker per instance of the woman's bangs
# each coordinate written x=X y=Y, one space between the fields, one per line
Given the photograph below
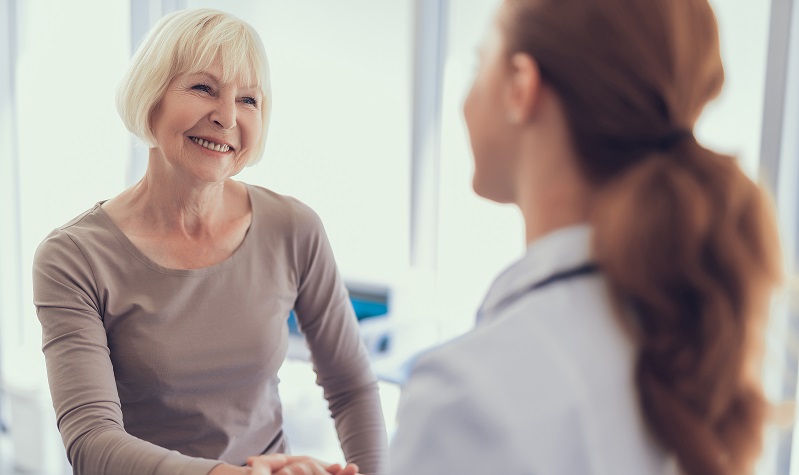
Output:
x=234 y=50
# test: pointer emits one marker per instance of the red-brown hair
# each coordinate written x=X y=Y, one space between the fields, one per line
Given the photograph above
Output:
x=687 y=241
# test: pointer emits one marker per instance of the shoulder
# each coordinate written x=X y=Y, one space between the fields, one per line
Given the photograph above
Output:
x=63 y=260
x=88 y=228
x=288 y=227
x=507 y=359
x=276 y=206
x=539 y=386
x=498 y=396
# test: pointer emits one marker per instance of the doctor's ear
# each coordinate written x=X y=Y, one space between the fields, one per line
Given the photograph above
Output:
x=524 y=88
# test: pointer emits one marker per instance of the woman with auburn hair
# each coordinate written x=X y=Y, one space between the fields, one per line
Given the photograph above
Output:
x=164 y=309
x=627 y=339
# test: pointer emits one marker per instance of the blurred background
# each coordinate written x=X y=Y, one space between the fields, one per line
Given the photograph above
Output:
x=367 y=130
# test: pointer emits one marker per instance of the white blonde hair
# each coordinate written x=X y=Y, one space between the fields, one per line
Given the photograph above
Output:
x=188 y=42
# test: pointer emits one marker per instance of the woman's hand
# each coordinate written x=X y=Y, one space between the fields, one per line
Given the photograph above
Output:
x=225 y=469
x=335 y=469
x=279 y=464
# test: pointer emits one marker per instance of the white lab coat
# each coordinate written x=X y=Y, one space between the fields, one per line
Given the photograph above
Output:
x=543 y=385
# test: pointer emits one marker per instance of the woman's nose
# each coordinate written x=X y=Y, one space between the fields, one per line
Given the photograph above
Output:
x=224 y=115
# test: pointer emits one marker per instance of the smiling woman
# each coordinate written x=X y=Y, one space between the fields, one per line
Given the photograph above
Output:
x=206 y=126
x=194 y=47
x=167 y=305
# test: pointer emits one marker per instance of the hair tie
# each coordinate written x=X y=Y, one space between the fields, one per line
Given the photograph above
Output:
x=668 y=142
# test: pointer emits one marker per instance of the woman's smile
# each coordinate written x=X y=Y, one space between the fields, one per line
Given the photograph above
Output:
x=214 y=146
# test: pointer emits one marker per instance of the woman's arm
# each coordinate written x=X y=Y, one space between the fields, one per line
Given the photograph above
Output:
x=340 y=359
x=69 y=304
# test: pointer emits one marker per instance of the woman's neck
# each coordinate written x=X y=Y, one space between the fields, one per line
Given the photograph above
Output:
x=550 y=190
x=175 y=206
x=168 y=202
x=544 y=215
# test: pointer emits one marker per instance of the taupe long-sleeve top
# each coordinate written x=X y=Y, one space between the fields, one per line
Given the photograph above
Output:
x=162 y=371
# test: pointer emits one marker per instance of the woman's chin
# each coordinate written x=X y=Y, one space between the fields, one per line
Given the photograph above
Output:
x=496 y=194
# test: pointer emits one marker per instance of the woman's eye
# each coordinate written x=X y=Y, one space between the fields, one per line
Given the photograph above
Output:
x=202 y=87
x=250 y=100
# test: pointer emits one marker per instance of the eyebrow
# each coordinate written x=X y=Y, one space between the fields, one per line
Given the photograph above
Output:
x=216 y=79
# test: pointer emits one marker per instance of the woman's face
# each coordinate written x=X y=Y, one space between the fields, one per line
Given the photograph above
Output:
x=486 y=115
x=205 y=128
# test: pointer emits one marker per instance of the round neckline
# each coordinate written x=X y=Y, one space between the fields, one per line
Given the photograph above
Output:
x=138 y=254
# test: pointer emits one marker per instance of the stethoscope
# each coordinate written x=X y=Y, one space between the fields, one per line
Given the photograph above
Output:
x=508 y=300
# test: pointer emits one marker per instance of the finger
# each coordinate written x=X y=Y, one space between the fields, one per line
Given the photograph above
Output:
x=272 y=461
x=333 y=469
x=350 y=469
x=302 y=468
x=259 y=468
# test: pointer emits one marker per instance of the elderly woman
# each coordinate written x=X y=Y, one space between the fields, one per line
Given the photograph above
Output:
x=165 y=307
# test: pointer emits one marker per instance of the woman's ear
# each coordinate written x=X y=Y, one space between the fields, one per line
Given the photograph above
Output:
x=524 y=88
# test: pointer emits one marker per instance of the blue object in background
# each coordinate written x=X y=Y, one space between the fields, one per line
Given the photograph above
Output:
x=368 y=308
x=368 y=301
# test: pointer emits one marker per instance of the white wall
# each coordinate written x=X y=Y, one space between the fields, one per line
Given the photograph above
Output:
x=478 y=238
x=10 y=268
x=72 y=145
x=732 y=124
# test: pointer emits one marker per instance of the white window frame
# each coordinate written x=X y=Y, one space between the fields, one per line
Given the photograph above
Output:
x=11 y=274
x=431 y=18
x=779 y=160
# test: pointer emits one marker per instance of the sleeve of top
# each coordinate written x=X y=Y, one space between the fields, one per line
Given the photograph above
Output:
x=340 y=359
x=449 y=420
x=80 y=373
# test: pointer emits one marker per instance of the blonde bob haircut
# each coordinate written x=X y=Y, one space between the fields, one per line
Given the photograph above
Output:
x=189 y=42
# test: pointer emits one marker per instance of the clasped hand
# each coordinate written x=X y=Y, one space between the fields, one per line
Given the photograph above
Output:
x=280 y=464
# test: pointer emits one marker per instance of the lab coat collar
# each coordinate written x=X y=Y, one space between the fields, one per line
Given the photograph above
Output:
x=558 y=251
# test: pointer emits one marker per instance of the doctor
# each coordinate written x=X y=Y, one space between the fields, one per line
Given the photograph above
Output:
x=626 y=340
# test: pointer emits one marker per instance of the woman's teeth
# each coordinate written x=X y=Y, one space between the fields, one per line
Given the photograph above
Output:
x=210 y=145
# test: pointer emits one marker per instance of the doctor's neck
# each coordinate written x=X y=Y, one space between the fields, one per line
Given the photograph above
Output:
x=550 y=189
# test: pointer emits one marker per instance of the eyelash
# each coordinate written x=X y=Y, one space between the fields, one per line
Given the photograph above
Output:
x=202 y=87
x=207 y=89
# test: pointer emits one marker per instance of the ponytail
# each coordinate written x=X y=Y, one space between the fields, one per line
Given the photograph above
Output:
x=690 y=249
x=688 y=243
